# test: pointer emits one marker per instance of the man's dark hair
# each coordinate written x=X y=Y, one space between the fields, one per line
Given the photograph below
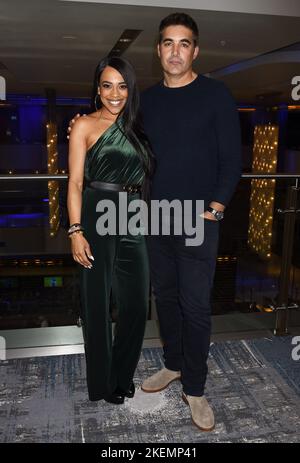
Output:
x=179 y=19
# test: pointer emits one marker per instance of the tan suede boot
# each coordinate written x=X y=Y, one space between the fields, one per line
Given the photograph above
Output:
x=160 y=380
x=202 y=414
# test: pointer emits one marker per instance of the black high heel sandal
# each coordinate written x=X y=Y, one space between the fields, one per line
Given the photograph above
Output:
x=128 y=393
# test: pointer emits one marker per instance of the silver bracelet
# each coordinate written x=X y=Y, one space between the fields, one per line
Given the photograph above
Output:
x=75 y=227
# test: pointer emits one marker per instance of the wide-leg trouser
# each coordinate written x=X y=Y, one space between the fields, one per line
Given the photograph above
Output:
x=120 y=261
x=182 y=278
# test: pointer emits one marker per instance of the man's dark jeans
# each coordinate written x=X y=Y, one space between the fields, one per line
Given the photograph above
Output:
x=182 y=278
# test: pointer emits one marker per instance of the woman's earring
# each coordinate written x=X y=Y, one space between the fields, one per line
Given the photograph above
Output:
x=96 y=100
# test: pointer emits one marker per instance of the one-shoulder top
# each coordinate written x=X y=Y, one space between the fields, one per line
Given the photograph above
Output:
x=113 y=159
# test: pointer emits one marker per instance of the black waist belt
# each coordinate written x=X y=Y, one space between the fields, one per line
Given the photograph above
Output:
x=114 y=187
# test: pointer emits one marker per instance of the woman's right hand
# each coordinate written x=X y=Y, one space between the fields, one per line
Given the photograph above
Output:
x=81 y=250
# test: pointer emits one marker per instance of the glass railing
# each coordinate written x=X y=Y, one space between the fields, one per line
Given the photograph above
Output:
x=257 y=280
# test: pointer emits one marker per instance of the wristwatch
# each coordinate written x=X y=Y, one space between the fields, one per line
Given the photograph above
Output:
x=218 y=214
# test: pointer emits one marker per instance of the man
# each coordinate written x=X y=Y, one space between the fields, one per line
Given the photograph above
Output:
x=192 y=124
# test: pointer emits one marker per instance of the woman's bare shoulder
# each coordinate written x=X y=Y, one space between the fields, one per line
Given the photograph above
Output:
x=84 y=123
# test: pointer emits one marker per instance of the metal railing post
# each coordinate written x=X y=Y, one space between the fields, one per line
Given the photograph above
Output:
x=282 y=310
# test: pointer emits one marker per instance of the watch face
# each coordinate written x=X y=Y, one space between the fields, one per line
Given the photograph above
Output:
x=219 y=215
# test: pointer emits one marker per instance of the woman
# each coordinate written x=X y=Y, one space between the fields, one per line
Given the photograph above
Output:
x=109 y=153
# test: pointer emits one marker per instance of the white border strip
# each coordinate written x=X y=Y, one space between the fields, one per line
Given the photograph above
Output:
x=269 y=7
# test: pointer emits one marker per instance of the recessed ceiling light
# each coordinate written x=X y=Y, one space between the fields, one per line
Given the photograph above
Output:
x=125 y=40
x=69 y=37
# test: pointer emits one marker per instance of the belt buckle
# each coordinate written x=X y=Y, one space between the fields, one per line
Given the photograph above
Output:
x=131 y=189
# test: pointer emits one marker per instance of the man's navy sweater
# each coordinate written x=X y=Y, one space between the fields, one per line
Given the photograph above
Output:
x=194 y=131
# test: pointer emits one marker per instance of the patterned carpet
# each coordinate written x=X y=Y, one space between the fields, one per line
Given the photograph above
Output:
x=253 y=386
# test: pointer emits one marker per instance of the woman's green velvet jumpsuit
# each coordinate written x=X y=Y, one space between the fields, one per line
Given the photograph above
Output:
x=120 y=262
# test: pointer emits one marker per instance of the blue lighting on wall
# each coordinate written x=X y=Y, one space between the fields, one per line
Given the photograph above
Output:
x=24 y=216
x=22 y=220
x=30 y=118
x=31 y=100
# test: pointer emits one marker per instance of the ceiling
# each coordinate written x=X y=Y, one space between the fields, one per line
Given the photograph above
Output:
x=57 y=44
